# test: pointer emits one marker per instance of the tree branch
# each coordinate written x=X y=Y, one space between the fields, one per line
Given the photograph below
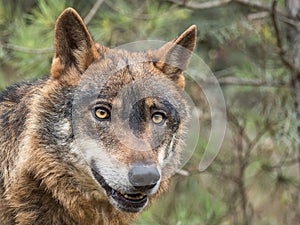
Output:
x=295 y=70
x=235 y=124
x=26 y=50
x=260 y=6
x=246 y=82
x=93 y=11
x=217 y=3
x=204 y=5
x=282 y=52
x=182 y=172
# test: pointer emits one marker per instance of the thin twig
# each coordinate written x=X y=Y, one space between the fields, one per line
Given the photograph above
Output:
x=276 y=27
x=285 y=163
x=93 y=11
x=182 y=172
x=255 y=141
x=204 y=5
x=246 y=82
x=235 y=124
x=25 y=49
x=293 y=65
x=260 y=6
x=258 y=15
x=218 y=3
x=282 y=52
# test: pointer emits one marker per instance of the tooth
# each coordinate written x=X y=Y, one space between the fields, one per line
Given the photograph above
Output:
x=133 y=197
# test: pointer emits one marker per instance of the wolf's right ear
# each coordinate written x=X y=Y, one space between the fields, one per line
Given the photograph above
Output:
x=73 y=45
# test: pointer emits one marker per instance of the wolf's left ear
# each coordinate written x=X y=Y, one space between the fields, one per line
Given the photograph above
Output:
x=173 y=57
x=73 y=45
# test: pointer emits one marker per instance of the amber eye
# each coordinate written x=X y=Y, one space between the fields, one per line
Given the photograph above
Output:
x=102 y=113
x=158 y=118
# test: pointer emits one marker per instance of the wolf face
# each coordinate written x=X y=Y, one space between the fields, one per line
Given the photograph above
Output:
x=128 y=110
x=130 y=132
x=101 y=137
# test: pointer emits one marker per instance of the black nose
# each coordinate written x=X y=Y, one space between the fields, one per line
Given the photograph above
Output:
x=143 y=176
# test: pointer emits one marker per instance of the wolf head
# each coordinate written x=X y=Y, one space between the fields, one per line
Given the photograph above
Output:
x=128 y=110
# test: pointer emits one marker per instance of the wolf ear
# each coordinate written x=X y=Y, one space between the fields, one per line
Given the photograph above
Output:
x=73 y=44
x=173 y=57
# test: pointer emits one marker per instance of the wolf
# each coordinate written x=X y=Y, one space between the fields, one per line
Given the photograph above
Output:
x=97 y=140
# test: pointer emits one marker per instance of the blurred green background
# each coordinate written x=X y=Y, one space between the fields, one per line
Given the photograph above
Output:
x=255 y=177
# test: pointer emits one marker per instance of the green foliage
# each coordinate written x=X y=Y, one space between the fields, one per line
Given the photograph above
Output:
x=35 y=31
x=194 y=207
x=2 y=83
x=122 y=21
x=114 y=24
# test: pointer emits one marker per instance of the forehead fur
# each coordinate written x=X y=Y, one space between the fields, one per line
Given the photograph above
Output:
x=117 y=69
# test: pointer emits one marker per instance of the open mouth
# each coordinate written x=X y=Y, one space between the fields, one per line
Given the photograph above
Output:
x=128 y=202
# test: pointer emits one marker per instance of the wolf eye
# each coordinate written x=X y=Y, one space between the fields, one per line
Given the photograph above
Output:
x=158 y=118
x=102 y=113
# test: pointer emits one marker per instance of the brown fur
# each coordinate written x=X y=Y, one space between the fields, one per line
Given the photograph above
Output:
x=41 y=180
